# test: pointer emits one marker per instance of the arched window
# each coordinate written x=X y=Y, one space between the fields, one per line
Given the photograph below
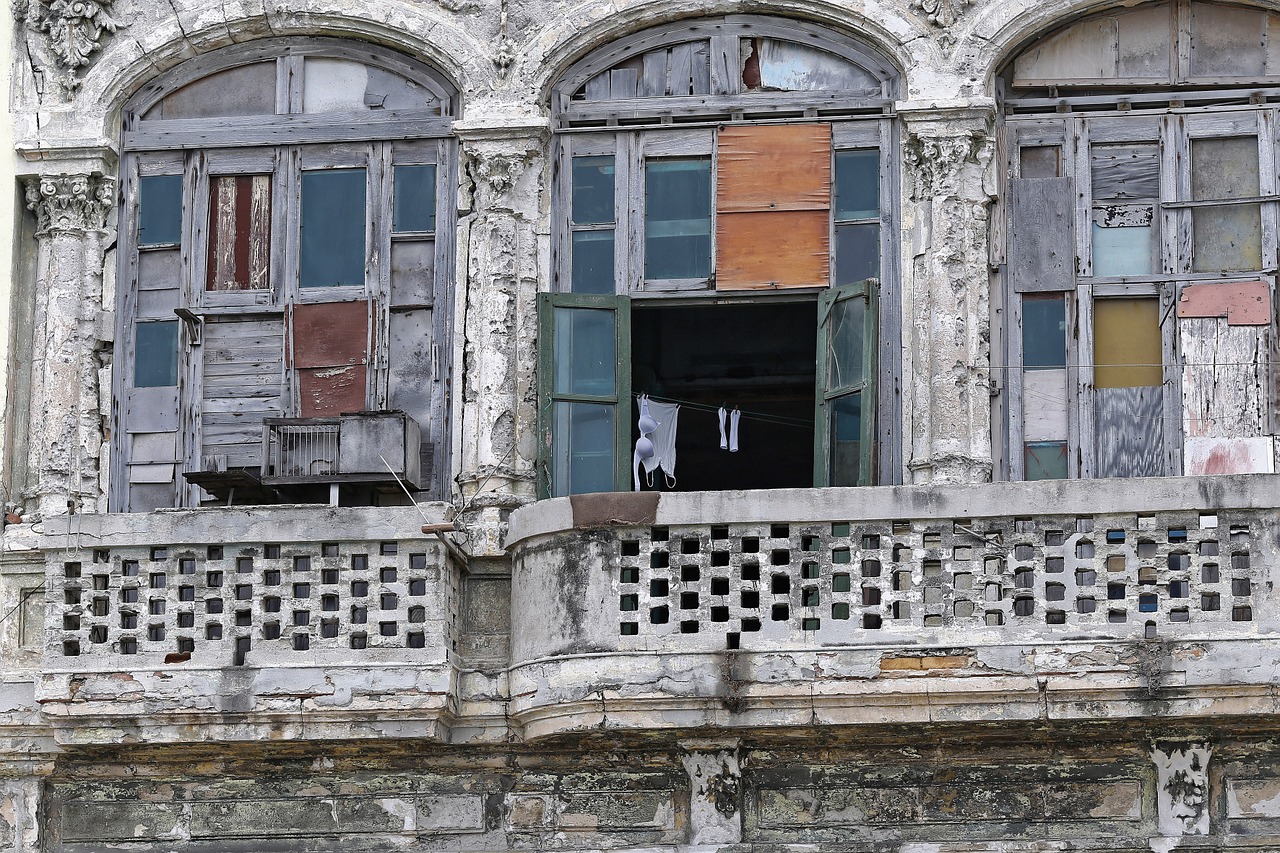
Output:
x=284 y=298
x=723 y=238
x=1141 y=244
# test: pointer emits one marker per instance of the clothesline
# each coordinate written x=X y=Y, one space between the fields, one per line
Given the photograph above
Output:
x=757 y=416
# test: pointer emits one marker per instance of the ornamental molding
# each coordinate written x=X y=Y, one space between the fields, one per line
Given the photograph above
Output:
x=72 y=31
x=497 y=170
x=943 y=14
x=70 y=204
x=937 y=162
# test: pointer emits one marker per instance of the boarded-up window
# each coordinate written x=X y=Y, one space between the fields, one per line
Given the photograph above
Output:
x=1126 y=187
x=330 y=354
x=239 y=232
x=1129 y=398
x=773 y=207
x=1126 y=343
x=1044 y=386
x=1226 y=237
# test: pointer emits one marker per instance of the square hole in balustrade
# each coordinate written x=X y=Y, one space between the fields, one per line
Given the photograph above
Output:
x=128 y=568
x=270 y=604
x=659 y=615
x=302 y=564
x=98 y=634
x=1149 y=630
x=388 y=549
x=810 y=543
x=810 y=623
x=688 y=601
x=809 y=571
x=159 y=553
x=1084 y=524
x=1239 y=532
x=628 y=574
x=359 y=562
x=388 y=601
x=418 y=586
x=1242 y=613
x=1179 y=614
x=1115 y=537
x=1053 y=565
x=271 y=577
x=128 y=619
x=933 y=620
x=779 y=531
x=270 y=630
x=750 y=598
x=1084 y=549
x=301 y=642
x=840 y=528
x=244 y=564
x=690 y=546
x=1148 y=603
x=214 y=552
x=840 y=582
x=993 y=566
x=1208 y=520
x=186 y=619
x=129 y=595
x=1086 y=577
x=719 y=586
x=359 y=614
x=1147 y=549
x=186 y=645
x=1209 y=548
x=1117 y=616
x=1054 y=538
x=628 y=629
x=809 y=597
x=156 y=607
x=780 y=612
x=1210 y=601
x=1024 y=525
x=244 y=618
x=901 y=581
x=1241 y=586
x=416 y=640
x=780 y=584
x=732 y=640
x=417 y=615
x=933 y=568
x=1239 y=561
x=719 y=558
x=1055 y=617
x=962 y=608
x=1024 y=606
x=70 y=622
x=994 y=617
x=329 y=603
x=720 y=531
x=1055 y=592
x=1116 y=563
x=841 y=556
x=71 y=570
x=359 y=641
x=840 y=610
x=244 y=591
x=750 y=624
x=750 y=572
x=659 y=559
x=690 y=574
x=1177 y=534
x=213 y=631
x=71 y=596
x=387 y=629
x=186 y=593
x=302 y=590
x=329 y=576
x=101 y=606
x=750 y=544
x=1115 y=592
x=213 y=605
x=870 y=595
x=779 y=557
x=187 y=566
x=1023 y=552
x=901 y=609
x=871 y=568
x=659 y=534
x=271 y=552
x=129 y=645
x=689 y=626
x=1209 y=573
x=962 y=553
x=359 y=588
x=1086 y=605
x=328 y=549
x=719 y=614
x=658 y=587
x=1024 y=579
x=871 y=541
x=871 y=621
x=628 y=603
x=1179 y=562
x=1180 y=588
x=101 y=555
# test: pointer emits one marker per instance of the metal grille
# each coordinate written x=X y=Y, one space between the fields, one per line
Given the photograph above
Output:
x=301 y=449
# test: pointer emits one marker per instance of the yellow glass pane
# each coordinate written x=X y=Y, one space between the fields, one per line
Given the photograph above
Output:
x=1126 y=343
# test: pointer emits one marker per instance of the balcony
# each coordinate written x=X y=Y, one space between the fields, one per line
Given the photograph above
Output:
x=896 y=605
x=245 y=623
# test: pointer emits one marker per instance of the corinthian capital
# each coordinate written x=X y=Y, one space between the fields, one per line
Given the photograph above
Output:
x=70 y=203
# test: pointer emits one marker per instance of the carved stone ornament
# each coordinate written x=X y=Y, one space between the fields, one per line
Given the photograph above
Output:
x=72 y=29
x=1182 y=799
x=70 y=203
x=942 y=13
x=935 y=162
x=498 y=171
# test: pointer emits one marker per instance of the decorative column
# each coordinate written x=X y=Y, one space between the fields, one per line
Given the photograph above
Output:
x=65 y=430
x=947 y=152
x=715 y=791
x=502 y=254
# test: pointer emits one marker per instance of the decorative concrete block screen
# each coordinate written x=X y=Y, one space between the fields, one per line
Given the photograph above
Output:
x=1109 y=575
x=224 y=602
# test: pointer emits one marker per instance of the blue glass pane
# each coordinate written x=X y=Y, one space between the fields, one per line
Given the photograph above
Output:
x=858 y=184
x=846 y=440
x=584 y=351
x=857 y=252
x=1046 y=460
x=414 y=205
x=677 y=218
x=592 y=190
x=160 y=210
x=1125 y=250
x=593 y=261
x=155 y=354
x=1044 y=331
x=333 y=225
x=583 y=448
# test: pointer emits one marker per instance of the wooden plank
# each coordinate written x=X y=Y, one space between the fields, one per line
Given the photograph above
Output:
x=1125 y=171
x=1041 y=246
x=1044 y=405
x=767 y=250
x=1228 y=456
x=239 y=232
x=284 y=130
x=774 y=167
x=653 y=79
x=701 y=69
x=1225 y=41
x=623 y=83
x=150 y=473
x=598 y=87
x=151 y=409
x=1129 y=434
x=159 y=269
x=1224 y=378
x=680 y=81
x=328 y=334
x=725 y=65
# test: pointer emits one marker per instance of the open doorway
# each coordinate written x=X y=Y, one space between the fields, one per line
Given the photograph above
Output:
x=758 y=357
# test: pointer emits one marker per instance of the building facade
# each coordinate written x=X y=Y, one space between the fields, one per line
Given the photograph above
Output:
x=350 y=348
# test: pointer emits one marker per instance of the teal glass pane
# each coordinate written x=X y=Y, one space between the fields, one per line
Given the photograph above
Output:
x=155 y=354
x=677 y=218
x=332 y=251
x=160 y=210
x=845 y=343
x=857 y=252
x=1046 y=460
x=858 y=184
x=1044 y=331
x=593 y=190
x=1125 y=250
x=582 y=453
x=845 y=447
x=413 y=206
x=584 y=351
x=593 y=261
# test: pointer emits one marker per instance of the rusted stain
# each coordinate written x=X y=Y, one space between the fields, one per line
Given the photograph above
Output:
x=1243 y=303
x=330 y=334
x=608 y=509
x=326 y=391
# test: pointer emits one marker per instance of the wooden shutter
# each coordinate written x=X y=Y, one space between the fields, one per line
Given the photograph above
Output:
x=773 y=207
x=1042 y=245
x=330 y=352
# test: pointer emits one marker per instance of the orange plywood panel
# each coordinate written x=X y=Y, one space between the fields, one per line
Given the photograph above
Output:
x=767 y=250
x=774 y=167
x=1243 y=303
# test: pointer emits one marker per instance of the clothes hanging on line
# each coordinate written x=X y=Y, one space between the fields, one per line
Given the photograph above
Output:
x=729 y=442
x=656 y=446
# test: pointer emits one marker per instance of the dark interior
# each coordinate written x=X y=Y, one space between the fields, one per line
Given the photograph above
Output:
x=758 y=357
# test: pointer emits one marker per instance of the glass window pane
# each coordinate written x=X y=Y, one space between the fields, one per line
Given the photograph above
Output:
x=1224 y=168
x=333 y=226
x=1127 y=351
x=845 y=342
x=155 y=355
x=846 y=440
x=160 y=210
x=583 y=453
x=858 y=184
x=593 y=261
x=1124 y=250
x=592 y=190
x=1226 y=238
x=414 y=205
x=677 y=218
x=1046 y=460
x=1039 y=161
x=1044 y=331
x=584 y=351
x=857 y=252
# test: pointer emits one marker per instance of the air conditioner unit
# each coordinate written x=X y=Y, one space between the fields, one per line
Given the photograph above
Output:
x=345 y=449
